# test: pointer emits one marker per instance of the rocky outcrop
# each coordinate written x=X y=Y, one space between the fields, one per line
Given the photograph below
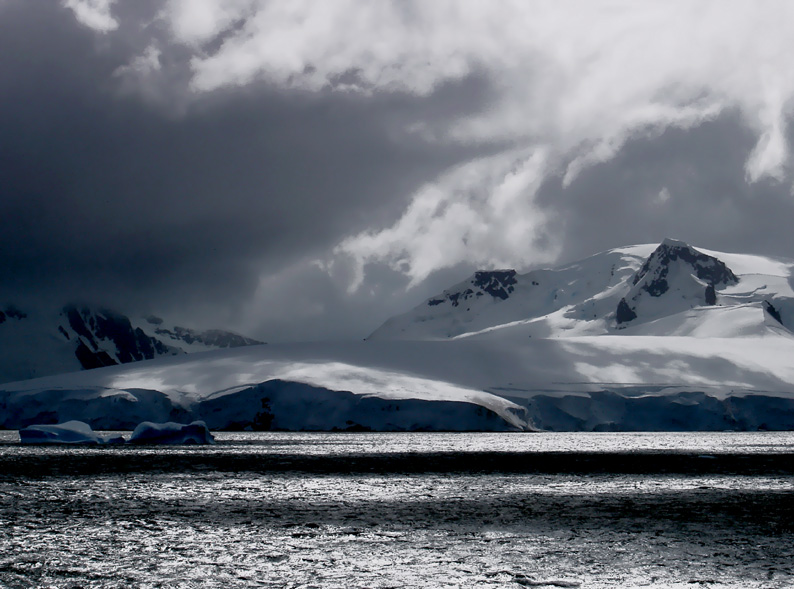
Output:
x=499 y=284
x=675 y=266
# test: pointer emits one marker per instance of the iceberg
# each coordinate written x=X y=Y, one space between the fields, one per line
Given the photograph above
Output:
x=171 y=433
x=70 y=432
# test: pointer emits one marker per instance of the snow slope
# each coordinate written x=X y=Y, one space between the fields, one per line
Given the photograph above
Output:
x=310 y=386
x=584 y=382
x=583 y=291
x=647 y=337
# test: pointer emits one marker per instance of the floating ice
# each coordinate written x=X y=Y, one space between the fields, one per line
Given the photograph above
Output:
x=70 y=432
x=171 y=433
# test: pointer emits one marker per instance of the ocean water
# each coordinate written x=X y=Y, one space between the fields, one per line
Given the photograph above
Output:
x=403 y=510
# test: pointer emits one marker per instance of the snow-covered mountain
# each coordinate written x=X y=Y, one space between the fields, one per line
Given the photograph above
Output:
x=40 y=342
x=649 y=337
x=664 y=289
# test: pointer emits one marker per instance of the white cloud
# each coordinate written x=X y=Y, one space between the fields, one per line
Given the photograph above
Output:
x=571 y=80
x=568 y=73
x=142 y=65
x=197 y=21
x=770 y=154
x=482 y=212
x=144 y=76
x=94 y=14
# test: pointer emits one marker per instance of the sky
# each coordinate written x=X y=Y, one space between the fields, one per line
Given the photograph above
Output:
x=301 y=170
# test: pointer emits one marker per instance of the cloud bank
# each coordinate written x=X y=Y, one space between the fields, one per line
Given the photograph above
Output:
x=222 y=156
x=568 y=82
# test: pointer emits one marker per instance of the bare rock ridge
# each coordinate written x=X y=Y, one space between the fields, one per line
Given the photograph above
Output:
x=131 y=344
x=212 y=337
x=81 y=337
x=11 y=312
x=497 y=283
x=773 y=312
x=654 y=271
x=675 y=266
x=127 y=344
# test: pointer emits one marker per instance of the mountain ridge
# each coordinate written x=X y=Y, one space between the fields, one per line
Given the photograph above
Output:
x=82 y=337
x=605 y=293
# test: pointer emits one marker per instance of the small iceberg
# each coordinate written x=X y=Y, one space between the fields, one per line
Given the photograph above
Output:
x=69 y=432
x=171 y=433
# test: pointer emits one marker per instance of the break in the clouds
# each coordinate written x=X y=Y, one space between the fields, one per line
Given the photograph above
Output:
x=260 y=160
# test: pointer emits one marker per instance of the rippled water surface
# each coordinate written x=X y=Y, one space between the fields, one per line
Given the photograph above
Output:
x=403 y=510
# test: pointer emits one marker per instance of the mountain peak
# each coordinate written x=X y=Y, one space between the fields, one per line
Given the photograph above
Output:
x=675 y=265
x=670 y=242
x=654 y=288
x=656 y=268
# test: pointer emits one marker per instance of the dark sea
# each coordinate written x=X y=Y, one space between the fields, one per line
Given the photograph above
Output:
x=348 y=510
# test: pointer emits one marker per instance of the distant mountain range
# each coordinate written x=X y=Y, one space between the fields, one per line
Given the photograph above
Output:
x=35 y=343
x=648 y=337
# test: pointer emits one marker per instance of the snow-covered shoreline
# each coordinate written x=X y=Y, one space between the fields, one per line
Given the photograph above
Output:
x=640 y=338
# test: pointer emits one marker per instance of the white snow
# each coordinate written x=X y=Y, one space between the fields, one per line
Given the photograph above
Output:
x=499 y=375
x=328 y=372
x=578 y=291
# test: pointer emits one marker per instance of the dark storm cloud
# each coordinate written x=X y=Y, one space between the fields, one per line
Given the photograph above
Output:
x=106 y=195
x=688 y=184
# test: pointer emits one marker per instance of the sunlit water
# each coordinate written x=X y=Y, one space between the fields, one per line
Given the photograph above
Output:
x=403 y=510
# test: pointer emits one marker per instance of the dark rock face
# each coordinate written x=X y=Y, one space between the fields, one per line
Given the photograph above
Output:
x=92 y=359
x=106 y=325
x=497 y=283
x=132 y=344
x=656 y=268
x=625 y=313
x=457 y=297
x=11 y=312
x=15 y=313
x=652 y=277
x=94 y=337
x=769 y=308
x=711 y=295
